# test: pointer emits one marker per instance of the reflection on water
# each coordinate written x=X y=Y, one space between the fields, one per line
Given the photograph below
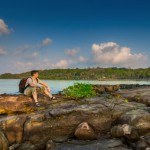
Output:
x=11 y=85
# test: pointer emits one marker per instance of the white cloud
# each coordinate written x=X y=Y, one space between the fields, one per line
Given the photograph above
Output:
x=103 y=55
x=61 y=64
x=72 y=52
x=111 y=54
x=3 y=27
x=2 y=51
x=47 y=64
x=46 y=42
x=82 y=59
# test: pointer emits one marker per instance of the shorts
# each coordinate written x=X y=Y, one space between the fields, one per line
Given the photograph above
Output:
x=29 y=91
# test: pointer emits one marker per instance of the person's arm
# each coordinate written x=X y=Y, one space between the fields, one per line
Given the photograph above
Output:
x=43 y=83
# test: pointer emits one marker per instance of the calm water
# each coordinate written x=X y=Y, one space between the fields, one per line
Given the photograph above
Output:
x=11 y=85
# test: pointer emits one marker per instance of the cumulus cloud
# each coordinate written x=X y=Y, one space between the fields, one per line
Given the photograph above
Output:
x=72 y=52
x=108 y=54
x=2 y=51
x=82 y=59
x=3 y=27
x=47 y=64
x=61 y=64
x=111 y=54
x=46 y=42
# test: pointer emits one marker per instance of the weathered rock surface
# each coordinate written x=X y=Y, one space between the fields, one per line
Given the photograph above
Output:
x=133 y=86
x=105 y=88
x=140 y=119
x=59 y=120
x=50 y=145
x=125 y=130
x=85 y=132
x=26 y=146
x=15 y=103
x=142 y=145
x=13 y=128
x=140 y=95
x=3 y=142
x=104 y=144
x=14 y=146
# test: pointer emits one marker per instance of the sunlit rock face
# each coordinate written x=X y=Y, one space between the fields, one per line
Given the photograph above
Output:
x=102 y=118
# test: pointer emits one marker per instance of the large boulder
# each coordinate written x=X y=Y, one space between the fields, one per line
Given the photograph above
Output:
x=125 y=130
x=140 y=119
x=85 y=132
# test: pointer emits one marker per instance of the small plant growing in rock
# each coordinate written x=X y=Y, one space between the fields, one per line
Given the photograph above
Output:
x=79 y=90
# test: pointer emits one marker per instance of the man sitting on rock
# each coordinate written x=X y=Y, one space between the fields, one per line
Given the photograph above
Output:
x=31 y=87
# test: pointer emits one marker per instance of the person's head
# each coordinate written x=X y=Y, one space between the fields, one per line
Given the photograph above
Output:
x=35 y=73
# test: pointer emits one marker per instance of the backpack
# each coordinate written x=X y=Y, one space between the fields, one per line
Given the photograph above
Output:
x=22 y=85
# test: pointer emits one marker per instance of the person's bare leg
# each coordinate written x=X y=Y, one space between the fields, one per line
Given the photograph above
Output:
x=48 y=93
x=34 y=94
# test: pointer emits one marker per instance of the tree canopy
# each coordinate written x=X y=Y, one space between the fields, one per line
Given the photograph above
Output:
x=86 y=74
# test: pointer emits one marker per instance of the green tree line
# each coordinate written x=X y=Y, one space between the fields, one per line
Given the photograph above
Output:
x=86 y=74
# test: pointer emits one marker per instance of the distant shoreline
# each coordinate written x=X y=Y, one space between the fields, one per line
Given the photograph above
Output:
x=100 y=74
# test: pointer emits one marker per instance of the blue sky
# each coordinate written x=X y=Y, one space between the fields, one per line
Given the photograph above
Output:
x=45 y=34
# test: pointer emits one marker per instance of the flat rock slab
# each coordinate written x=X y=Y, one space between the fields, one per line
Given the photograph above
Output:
x=21 y=104
x=140 y=95
x=15 y=104
x=105 y=144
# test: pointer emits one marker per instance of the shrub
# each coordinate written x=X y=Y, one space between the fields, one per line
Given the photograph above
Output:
x=79 y=90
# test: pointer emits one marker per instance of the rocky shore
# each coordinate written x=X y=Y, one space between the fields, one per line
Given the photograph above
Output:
x=118 y=118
